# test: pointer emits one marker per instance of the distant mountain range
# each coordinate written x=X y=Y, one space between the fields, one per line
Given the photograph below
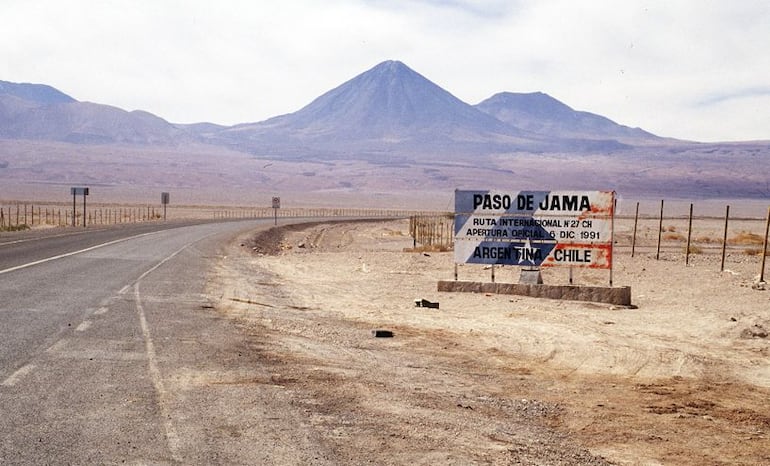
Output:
x=388 y=135
x=40 y=112
x=389 y=110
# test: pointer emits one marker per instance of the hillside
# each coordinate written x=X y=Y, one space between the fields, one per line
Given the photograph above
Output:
x=387 y=113
x=40 y=112
x=542 y=114
x=393 y=111
x=388 y=136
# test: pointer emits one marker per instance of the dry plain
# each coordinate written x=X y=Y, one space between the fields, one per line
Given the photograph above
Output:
x=682 y=378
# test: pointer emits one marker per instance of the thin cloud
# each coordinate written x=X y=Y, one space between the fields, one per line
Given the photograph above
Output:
x=487 y=9
x=740 y=94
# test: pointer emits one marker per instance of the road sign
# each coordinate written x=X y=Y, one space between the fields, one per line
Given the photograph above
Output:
x=276 y=206
x=78 y=191
x=164 y=199
x=534 y=228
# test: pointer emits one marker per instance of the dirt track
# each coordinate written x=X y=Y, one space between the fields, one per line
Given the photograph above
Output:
x=682 y=379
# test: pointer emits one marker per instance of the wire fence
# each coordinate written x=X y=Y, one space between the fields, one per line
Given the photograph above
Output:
x=432 y=232
x=690 y=235
x=664 y=234
x=25 y=216
x=22 y=216
x=672 y=235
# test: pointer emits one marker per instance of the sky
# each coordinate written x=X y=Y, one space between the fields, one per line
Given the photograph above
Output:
x=689 y=69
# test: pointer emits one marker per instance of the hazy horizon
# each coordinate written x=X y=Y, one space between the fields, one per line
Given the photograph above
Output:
x=686 y=70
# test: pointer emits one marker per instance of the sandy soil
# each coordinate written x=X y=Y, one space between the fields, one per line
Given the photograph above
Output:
x=684 y=378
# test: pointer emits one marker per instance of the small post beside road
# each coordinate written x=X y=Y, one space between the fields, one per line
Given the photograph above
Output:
x=660 y=230
x=689 y=237
x=764 y=248
x=164 y=199
x=276 y=206
x=724 y=239
x=633 y=238
x=78 y=191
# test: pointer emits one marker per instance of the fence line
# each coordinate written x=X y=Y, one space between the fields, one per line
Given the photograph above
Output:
x=683 y=234
x=21 y=216
x=687 y=234
x=429 y=229
x=692 y=235
x=432 y=231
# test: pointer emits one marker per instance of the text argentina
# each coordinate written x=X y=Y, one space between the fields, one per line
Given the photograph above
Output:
x=508 y=253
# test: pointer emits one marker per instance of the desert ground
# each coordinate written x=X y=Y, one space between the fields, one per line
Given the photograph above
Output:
x=682 y=377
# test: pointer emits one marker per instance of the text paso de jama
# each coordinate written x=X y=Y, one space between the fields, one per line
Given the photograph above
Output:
x=559 y=203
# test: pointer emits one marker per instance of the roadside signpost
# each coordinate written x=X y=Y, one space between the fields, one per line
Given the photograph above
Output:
x=276 y=206
x=78 y=191
x=164 y=199
x=535 y=228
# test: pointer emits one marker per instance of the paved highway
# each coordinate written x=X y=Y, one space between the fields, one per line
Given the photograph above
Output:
x=24 y=247
x=97 y=328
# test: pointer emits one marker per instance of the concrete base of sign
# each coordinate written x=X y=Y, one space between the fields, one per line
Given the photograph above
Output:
x=620 y=296
x=530 y=277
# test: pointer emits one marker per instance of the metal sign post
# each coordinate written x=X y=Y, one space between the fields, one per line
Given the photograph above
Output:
x=164 y=199
x=78 y=191
x=764 y=248
x=276 y=206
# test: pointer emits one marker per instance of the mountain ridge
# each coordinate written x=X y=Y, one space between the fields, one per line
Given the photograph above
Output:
x=387 y=133
x=42 y=112
x=393 y=109
x=40 y=93
x=388 y=109
x=539 y=112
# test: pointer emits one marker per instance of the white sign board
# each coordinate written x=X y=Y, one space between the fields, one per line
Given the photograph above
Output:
x=534 y=228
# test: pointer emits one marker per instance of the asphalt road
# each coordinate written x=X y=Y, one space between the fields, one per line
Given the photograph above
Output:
x=95 y=328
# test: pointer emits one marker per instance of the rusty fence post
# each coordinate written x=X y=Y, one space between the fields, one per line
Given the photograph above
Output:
x=764 y=248
x=724 y=239
x=660 y=230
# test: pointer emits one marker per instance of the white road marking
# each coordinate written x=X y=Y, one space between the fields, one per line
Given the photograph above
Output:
x=58 y=346
x=152 y=360
x=157 y=379
x=83 y=326
x=101 y=310
x=14 y=378
x=109 y=350
x=68 y=254
x=43 y=238
x=101 y=355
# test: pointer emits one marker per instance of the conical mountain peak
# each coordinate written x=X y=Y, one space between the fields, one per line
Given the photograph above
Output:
x=388 y=99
